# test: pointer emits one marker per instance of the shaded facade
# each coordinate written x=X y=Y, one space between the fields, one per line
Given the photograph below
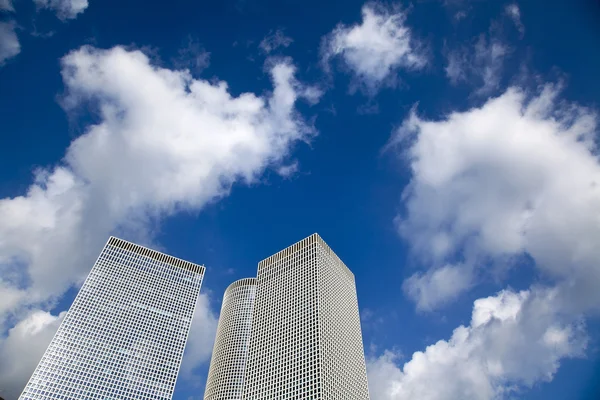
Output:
x=228 y=362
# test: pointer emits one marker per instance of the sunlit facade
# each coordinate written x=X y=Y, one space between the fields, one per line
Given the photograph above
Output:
x=306 y=340
x=125 y=333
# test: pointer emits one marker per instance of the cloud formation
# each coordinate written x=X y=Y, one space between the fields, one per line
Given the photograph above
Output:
x=64 y=9
x=201 y=338
x=192 y=56
x=9 y=42
x=274 y=40
x=519 y=175
x=22 y=350
x=438 y=286
x=6 y=5
x=478 y=65
x=513 y=11
x=515 y=178
x=514 y=340
x=163 y=142
x=375 y=49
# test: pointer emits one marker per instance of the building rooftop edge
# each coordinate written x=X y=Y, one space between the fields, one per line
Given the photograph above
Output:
x=316 y=238
x=175 y=261
x=241 y=282
x=316 y=235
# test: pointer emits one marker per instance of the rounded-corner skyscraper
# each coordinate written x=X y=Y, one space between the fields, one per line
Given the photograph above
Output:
x=292 y=333
x=228 y=362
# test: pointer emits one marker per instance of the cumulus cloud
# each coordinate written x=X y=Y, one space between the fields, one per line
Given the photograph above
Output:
x=375 y=49
x=512 y=180
x=519 y=175
x=9 y=42
x=163 y=142
x=274 y=40
x=513 y=11
x=478 y=65
x=514 y=340
x=64 y=9
x=22 y=349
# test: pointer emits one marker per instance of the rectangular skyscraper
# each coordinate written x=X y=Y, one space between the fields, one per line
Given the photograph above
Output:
x=124 y=335
x=306 y=340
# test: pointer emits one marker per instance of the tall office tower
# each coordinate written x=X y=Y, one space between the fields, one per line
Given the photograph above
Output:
x=306 y=339
x=228 y=363
x=124 y=335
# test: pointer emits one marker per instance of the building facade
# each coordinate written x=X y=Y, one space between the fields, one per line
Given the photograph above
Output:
x=306 y=340
x=125 y=333
x=228 y=362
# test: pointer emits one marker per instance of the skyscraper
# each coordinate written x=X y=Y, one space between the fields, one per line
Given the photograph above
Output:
x=306 y=340
x=228 y=363
x=124 y=335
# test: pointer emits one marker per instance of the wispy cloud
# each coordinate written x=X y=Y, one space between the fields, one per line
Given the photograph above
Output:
x=513 y=11
x=6 y=5
x=9 y=42
x=480 y=65
x=64 y=9
x=275 y=40
x=193 y=56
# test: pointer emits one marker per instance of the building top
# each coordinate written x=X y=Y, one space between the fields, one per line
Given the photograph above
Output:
x=314 y=238
x=241 y=282
x=155 y=255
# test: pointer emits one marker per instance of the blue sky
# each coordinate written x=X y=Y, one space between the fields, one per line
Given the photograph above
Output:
x=446 y=151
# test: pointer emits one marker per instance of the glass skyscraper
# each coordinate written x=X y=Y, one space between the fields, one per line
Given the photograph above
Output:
x=228 y=363
x=125 y=333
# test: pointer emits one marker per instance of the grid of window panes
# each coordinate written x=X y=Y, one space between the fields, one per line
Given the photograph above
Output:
x=343 y=366
x=125 y=333
x=228 y=363
x=283 y=361
x=306 y=339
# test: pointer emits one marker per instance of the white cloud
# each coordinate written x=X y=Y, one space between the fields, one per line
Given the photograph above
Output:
x=513 y=11
x=274 y=40
x=514 y=340
x=516 y=176
x=383 y=375
x=480 y=65
x=9 y=42
x=201 y=338
x=6 y=5
x=23 y=348
x=375 y=49
x=65 y=9
x=438 y=286
x=164 y=142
